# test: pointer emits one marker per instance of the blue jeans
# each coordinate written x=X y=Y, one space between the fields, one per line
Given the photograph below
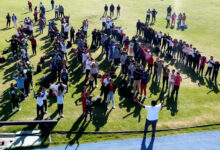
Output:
x=111 y=98
x=148 y=123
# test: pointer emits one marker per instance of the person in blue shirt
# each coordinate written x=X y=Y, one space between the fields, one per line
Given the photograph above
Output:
x=20 y=81
x=144 y=81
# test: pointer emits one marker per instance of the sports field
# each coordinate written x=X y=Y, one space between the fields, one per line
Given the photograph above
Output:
x=198 y=101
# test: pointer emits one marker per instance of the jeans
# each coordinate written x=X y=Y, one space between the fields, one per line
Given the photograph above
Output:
x=170 y=86
x=111 y=98
x=148 y=123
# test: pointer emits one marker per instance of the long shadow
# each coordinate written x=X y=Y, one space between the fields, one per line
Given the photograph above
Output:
x=154 y=88
x=5 y=111
x=150 y=146
x=100 y=116
x=212 y=86
x=171 y=105
x=75 y=126
x=79 y=135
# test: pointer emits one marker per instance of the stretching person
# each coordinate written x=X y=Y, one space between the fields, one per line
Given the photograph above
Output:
x=177 y=80
x=60 y=98
x=211 y=63
x=152 y=116
x=39 y=96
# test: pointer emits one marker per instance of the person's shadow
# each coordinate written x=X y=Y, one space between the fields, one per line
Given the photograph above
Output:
x=150 y=146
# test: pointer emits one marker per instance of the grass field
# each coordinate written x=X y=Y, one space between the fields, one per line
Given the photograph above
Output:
x=199 y=99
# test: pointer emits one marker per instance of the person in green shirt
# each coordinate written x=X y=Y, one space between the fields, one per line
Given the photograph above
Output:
x=14 y=94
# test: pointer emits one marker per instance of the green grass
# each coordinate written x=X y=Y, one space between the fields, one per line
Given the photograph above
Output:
x=198 y=101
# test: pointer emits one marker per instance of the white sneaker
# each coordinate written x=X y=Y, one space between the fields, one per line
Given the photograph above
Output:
x=113 y=107
x=96 y=86
x=12 y=110
x=19 y=108
x=108 y=108
x=145 y=97
x=62 y=116
x=45 y=112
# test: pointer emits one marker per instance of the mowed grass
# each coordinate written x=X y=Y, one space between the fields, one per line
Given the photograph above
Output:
x=198 y=101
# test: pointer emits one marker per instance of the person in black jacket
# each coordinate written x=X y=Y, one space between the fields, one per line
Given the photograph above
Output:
x=94 y=38
x=137 y=79
x=118 y=10
x=52 y=4
x=138 y=26
x=169 y=10
x=8 y=18
x=72 y=33
x=65 y=78
x=112 y=8
x=215 y=71
x=105 y=10
x=154 y=13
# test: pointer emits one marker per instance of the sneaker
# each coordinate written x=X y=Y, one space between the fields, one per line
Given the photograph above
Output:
x=62 y=116
x=12 y=110
x=19 y=108
x=113 y=107
x=108 y=108
x=145 y=97
x=140 y=96
x=96 y=86
x=45 y=112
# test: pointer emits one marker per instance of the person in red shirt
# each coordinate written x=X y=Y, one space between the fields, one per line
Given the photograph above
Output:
x=150 y=62
x=35 y=16
x=177 y=81
x=30 y=6
x=34 y=45
x=111 y=92
x=84 y=93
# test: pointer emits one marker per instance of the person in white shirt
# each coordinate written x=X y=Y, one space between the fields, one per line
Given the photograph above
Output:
x=171 y=80
x=88 y=67
x=103 y=22
x=210 y=63
x=63 y=48
x=152 y=116
x=60 y=98
x=44 y=92
x=39 y=98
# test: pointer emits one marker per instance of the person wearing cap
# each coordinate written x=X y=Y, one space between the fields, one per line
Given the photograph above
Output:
x=152 y=116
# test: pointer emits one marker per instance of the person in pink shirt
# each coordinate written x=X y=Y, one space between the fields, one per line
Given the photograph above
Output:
x=177 y=81
x=203 y=61
x=173 y=17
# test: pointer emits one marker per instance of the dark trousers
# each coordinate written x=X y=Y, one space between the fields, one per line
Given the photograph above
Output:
x=45 y=105
x=34 y=49
x=201 y=68
x=87 y=75
x=72 y=38
x=60 y=108
x=148 y=123
x=175 y=90
x=154 y=75
x=14 y=102
x=165 y=79
x=56 y=14
x=209 y=71
x=214 y=76
x=40 y=111
x=8 y=23
x=88 y=111
x=95 y=77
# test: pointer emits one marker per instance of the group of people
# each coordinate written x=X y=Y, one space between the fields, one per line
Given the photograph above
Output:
x=181 y=19
x=111 y=8
x=133 y=56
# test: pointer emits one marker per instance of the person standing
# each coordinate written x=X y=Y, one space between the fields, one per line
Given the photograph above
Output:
x=35 y=16
x=14 y=96
x=111 y=91
x=148 y=16
x=137 y=79
x=211 y=63
x=14 y=20
x=72 y=34
x=144 y=81
x=30 y=6
x=138 y=26
x=39 y=97
x=154 y=13
x=45 y=94
x=169 y=10
x=203 y=61
x=159 y=70
x=152 y=116
x=14 y=46
x=60 y=98
x=20 y=81
x=56 y=12
x=173 y=17
x=112 y=8
x=88 y=105
x=168 y=21
x=83 y=94
x=171 y=81
x=33 y=45
x=118 y=10
x=179 y=20
x=8 y=23
x=166 y=72
x=184 y=20
x=105 y=10
x=215 y=71
x=52 y=4
x=177 y=81
x=65 y=78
